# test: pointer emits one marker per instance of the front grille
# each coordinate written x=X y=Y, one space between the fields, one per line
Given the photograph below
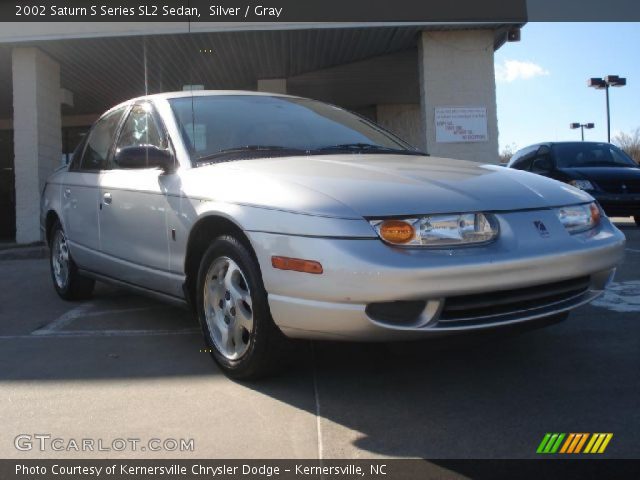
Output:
x=500 y=305
x=616 y=186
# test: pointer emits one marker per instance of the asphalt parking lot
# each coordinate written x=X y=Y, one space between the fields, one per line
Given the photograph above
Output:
x=122 y=366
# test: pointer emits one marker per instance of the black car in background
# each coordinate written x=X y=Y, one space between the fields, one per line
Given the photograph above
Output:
x=601 y=169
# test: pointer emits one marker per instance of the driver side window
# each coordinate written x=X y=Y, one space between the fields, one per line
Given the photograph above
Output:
x=141 y=128
x=542 y=164
x=98 y=145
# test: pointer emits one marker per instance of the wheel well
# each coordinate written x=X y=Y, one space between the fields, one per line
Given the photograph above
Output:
x=202 y=233
x=52 y=218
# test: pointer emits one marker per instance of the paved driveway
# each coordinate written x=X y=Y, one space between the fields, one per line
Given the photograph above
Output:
x=122 y=366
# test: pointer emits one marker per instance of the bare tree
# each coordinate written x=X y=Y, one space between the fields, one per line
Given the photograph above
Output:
x=630 y=143
x=506 y=153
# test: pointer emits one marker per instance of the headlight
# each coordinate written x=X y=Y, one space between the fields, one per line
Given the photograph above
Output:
x=578 y=218
x=582 y=184
x=438 y=230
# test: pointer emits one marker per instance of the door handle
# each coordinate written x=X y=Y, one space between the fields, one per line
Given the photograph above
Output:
x=67 y=192
x=107 y=199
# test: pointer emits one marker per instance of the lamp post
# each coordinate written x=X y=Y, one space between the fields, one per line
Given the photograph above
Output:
x=581 y=126
x=605 y=83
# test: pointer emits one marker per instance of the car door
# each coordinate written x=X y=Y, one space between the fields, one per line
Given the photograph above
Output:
x=80 y=191
x=133 y=210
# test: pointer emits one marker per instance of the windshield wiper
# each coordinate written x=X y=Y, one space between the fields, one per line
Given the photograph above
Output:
x=365 y=147
x=250 y=148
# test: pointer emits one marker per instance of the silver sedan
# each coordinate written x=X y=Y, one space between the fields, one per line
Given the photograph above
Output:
x=274 y=216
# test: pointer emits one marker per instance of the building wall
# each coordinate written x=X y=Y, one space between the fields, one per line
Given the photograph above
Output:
x=37 y=134
x=404 y=120
x=456 y=69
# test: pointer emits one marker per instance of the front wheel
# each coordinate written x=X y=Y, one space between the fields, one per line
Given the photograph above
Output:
x=69 y=284
x=234 y=313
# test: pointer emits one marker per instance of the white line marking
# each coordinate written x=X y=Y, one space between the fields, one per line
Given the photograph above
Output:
x=623 y=297
x=118 y=310
x=104 y=333
x=317 y=398
x=634 y=250
x=64 y=319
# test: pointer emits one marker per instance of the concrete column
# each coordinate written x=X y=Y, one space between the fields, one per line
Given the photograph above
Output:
x=403 y=119
x=37 y=134
x=272 y=85
x=456 y=70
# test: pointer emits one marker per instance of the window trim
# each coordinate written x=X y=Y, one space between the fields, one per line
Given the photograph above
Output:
x=160 y=124
x=79 y=169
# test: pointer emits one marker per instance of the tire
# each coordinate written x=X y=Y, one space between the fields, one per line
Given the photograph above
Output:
x=232 y=308
x=69 y=284
x=637 y=220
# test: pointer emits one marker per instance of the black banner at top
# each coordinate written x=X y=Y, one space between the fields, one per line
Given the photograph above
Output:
x=264 y=10
x=448 y=11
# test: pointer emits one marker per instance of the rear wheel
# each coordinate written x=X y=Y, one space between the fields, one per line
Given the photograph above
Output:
x=233 y=311
x=69 y=284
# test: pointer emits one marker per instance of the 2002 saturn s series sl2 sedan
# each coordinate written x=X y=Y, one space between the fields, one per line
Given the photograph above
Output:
x=276 y=216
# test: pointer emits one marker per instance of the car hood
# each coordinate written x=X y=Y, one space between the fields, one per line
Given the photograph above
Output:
x=369 y=185
x=602 y=173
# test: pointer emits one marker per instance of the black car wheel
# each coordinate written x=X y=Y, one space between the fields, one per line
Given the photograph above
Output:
x=233 y=311
x=637 y=219
x=69 y=284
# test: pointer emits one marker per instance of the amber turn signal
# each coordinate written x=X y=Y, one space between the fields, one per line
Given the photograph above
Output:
x=397 y=231
x=595 y=213
x=296 y=264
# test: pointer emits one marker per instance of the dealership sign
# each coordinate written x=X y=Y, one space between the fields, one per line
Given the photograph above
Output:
x=461 y=124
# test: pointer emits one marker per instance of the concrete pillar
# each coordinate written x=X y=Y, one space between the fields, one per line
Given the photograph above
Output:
x=403 y=119
x=272 y=85
x=456 y=70
x=37 y=134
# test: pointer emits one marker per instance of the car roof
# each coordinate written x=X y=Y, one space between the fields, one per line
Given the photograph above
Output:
x=566 y=142
x=203 y=93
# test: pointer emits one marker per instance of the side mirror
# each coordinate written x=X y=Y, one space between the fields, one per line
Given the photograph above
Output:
x=144 y=156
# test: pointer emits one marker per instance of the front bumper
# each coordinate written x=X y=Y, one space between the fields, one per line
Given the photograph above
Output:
x=619 y=205
x=359 y=272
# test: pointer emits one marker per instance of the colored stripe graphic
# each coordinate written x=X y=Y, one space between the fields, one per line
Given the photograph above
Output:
x=543 y=443
x=573 y=443
x=581 y=442
x=556 y=445
x=550 y=443
x=567 y=443
x=598 y=442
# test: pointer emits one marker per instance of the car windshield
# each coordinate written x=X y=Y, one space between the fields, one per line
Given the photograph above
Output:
x=577 y=155
x=232 y=127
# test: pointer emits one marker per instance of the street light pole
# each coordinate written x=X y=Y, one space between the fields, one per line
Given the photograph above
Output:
x=608 y=115
x=604 y=84
x=581 y=126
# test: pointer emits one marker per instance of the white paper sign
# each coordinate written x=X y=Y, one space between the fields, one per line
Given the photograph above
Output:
x=461 y=124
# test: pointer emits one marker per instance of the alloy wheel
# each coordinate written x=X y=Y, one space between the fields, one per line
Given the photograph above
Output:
x=60 y=259
x=228 y=308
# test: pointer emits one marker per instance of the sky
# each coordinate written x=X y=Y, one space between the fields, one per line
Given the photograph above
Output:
x=541 y=82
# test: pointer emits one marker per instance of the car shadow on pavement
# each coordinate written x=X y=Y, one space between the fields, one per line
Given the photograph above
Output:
x=481 y=396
